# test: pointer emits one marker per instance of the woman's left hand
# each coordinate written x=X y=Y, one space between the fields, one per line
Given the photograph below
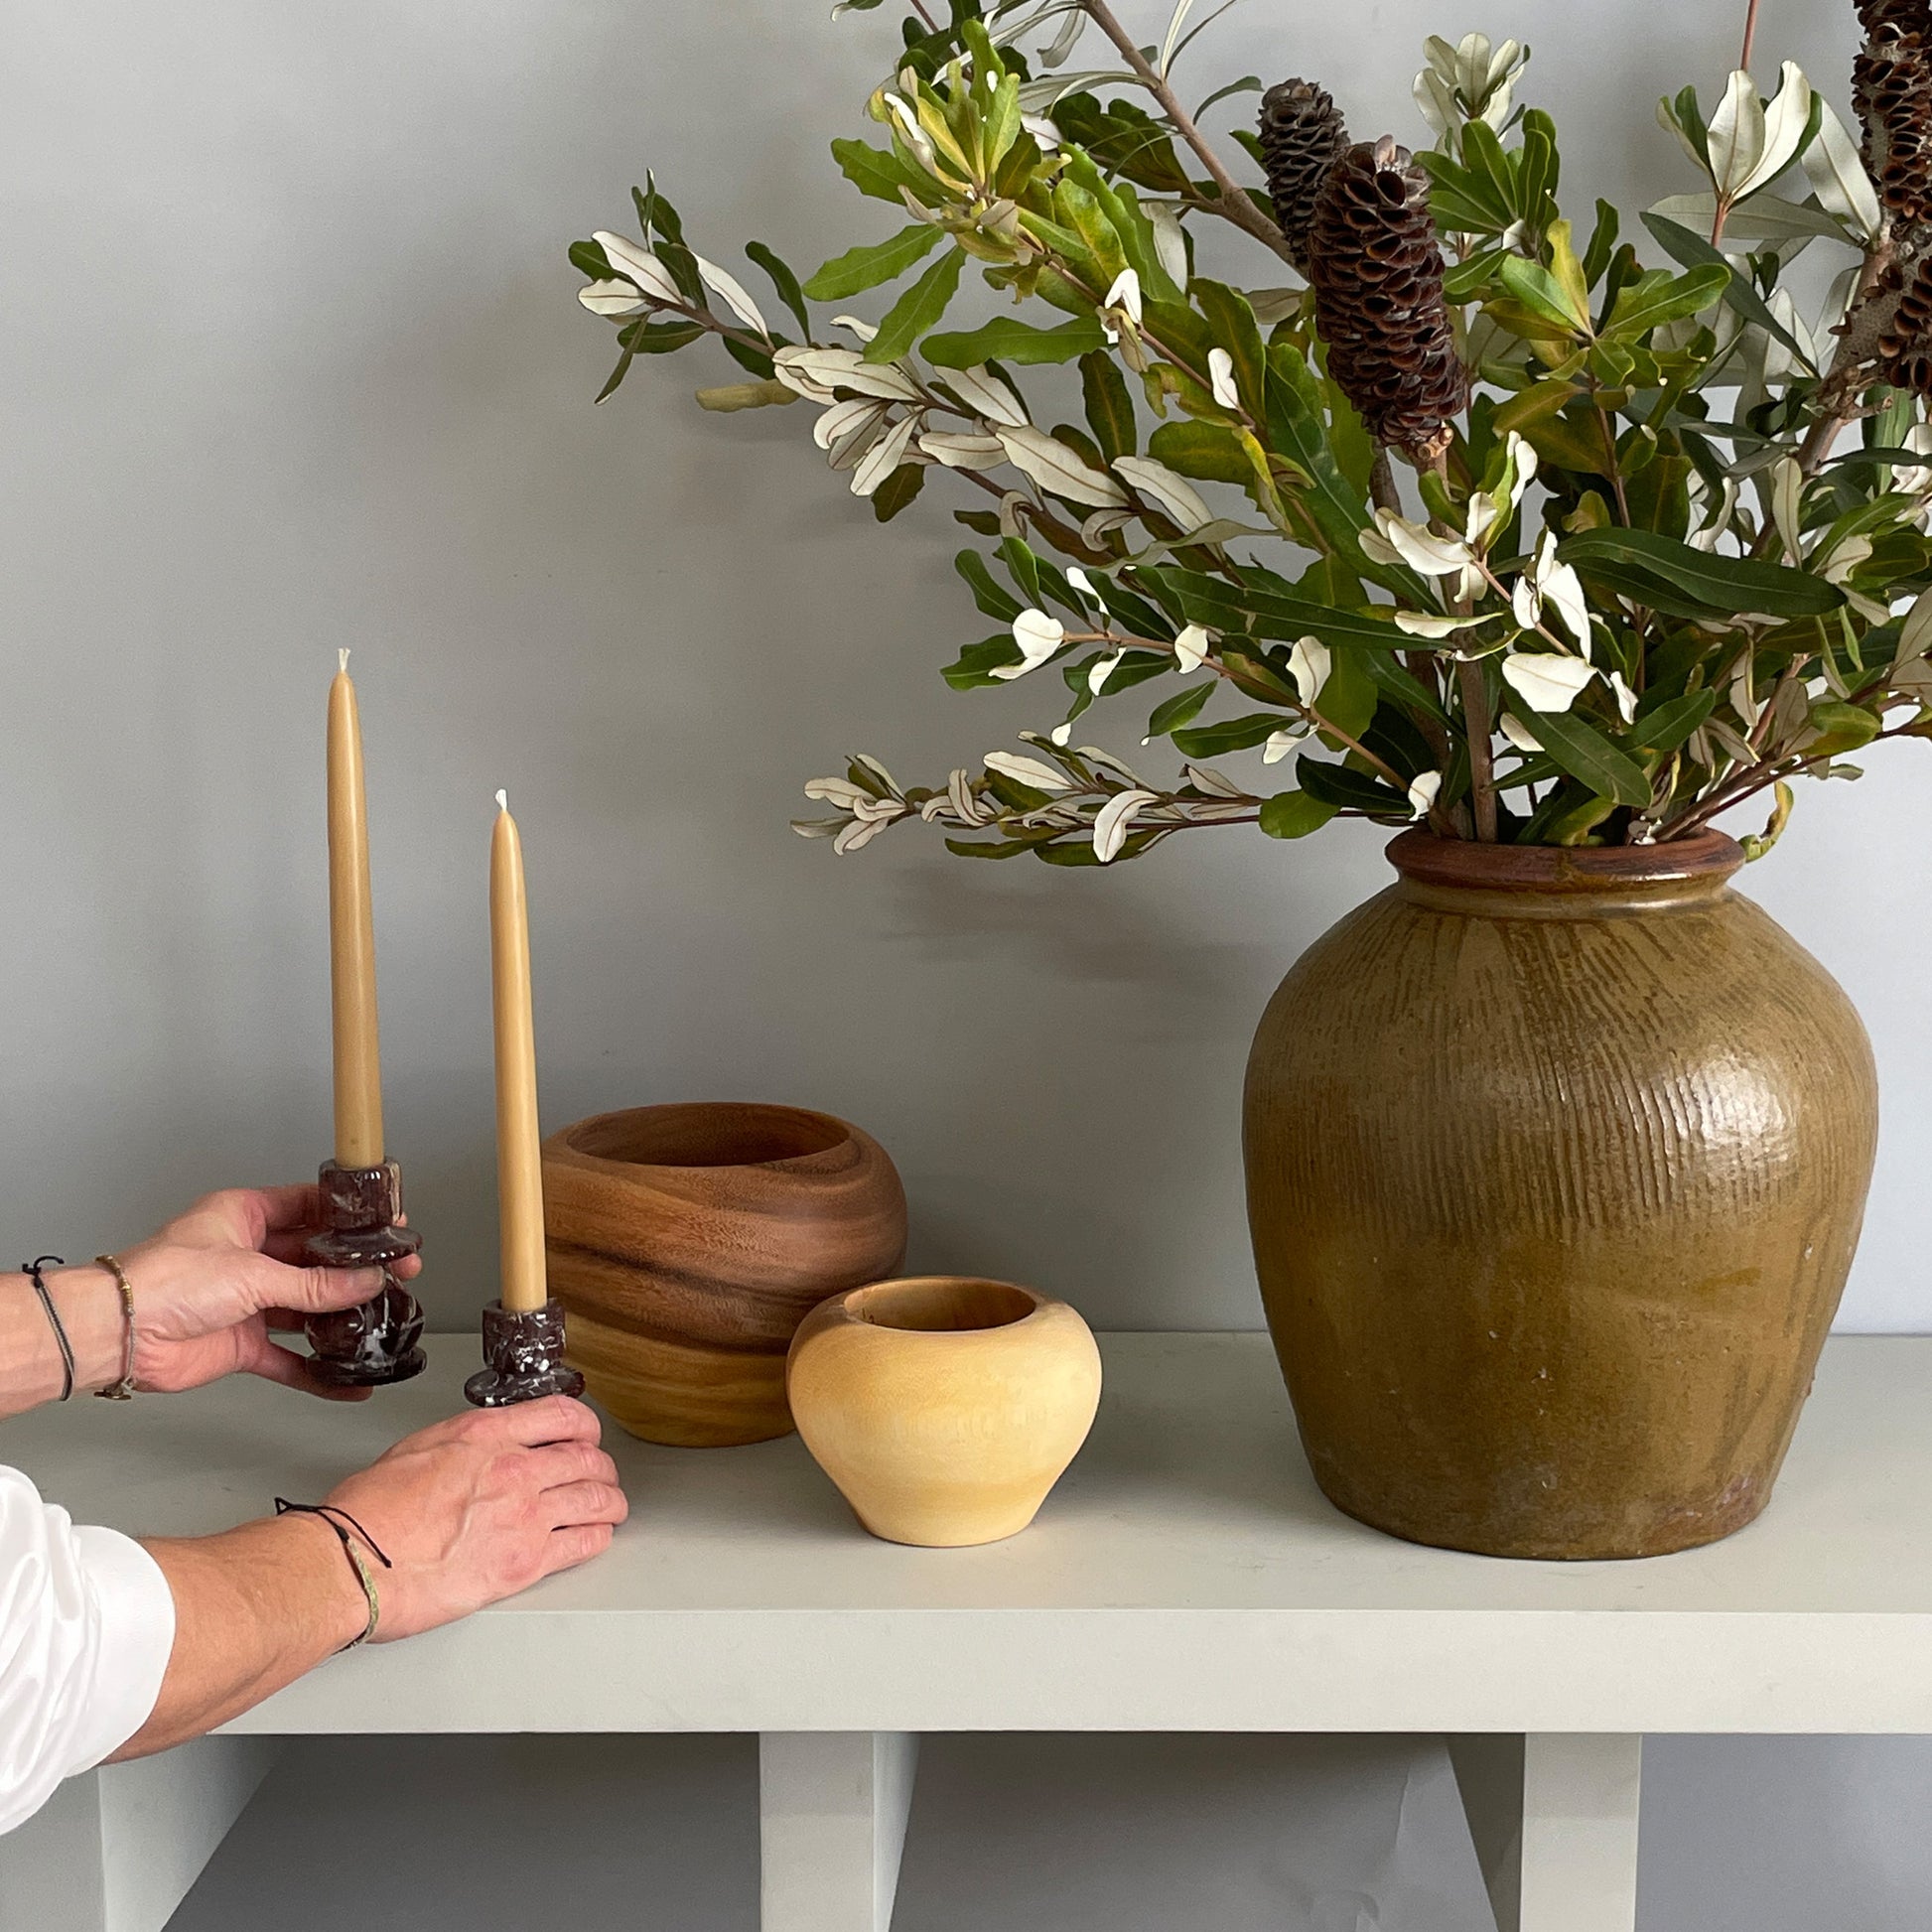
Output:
x=211 y=1285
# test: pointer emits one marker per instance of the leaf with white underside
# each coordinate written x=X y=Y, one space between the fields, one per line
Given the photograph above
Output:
x=1111 y=823
x=984 y=395
x=1545 y=681
x=613 y=299
x=843 y=368
x=1028 y=771
x=1056 y=468
x=960 y=452
x=842 y=418
x=733 y=292
x=1837 y=177
x=1168 y=488
x=640 y=265
x=883 y=456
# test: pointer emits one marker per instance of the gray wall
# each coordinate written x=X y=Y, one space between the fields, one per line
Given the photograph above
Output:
x=293 y=362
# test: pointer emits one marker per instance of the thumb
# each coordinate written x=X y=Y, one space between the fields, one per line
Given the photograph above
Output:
x=312 y=1290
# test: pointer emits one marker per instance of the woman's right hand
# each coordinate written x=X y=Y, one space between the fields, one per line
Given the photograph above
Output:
x=474 y=1509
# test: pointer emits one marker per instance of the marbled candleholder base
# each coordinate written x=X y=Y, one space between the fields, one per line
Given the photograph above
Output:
x=375 y=1343
x=523 y=1353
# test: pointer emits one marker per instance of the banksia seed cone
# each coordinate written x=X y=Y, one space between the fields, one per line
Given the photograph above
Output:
x=1377 y=271
x=1302 y=136
x=1908 y=16
x=1892 y=89
x=1905 y=349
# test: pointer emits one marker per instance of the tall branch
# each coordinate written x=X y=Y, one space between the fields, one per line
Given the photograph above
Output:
x=1750 y=35
x=1236 y=203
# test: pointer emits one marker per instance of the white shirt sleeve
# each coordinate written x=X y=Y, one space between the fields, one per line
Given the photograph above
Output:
x=86 y=1626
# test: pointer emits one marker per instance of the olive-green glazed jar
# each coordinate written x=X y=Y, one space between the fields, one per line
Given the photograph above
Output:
x=1556 y=1161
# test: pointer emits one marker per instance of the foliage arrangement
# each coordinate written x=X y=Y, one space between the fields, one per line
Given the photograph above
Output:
x=1539 y=533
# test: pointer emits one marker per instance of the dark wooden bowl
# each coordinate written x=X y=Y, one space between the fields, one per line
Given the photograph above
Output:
x=688 y=1242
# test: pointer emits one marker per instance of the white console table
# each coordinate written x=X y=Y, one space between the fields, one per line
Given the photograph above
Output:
x=1187 y=1576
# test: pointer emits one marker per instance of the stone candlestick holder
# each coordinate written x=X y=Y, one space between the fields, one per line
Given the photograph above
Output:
x=375 y=1344
x=523 y=1353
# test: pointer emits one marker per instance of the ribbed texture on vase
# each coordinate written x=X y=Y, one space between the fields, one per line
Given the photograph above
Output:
x=1552 y=1214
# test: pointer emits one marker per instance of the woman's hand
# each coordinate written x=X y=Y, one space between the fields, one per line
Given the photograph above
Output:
x=477 y=1508
x=467 y=1511
x=211 y=1285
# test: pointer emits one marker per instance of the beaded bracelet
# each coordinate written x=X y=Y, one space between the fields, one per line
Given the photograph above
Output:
x=121 y=1391
x=326 y=1513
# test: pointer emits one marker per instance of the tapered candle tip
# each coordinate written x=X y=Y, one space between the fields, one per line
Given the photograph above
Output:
x=502 y=801
x=341 y=662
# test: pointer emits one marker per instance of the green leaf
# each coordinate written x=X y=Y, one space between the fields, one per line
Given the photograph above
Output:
x=785 y=281
x=1179 y=710
x=1008 y=341
x=1201 y=449
x=1587 y=756
x=1298 y=430
x=1236 y=331
x=974 y=667
x=1542 y=294
x=878 y=261
x=1694 y=252
x=588 y=258
x=1295 y=814
x=1840 y=728
x=1268 y=613
x=1714 y=585
x=876 y=172
x=1664 y=728
x=1349 y=790
x=1110 y=408
x=616 y=377
x=1660 y=298
x=1229 y=735
x=660 y=338
x=992 y=598
x=917 y=309
x=898 y=490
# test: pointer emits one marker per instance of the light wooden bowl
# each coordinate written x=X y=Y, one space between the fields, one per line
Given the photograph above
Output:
x=688 y=1242
x=944 y=1408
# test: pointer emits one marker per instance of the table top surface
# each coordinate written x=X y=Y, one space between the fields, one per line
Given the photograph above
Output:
x=1187 y=1574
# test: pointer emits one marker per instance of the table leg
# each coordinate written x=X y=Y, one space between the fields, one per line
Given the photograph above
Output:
x=117 y=1848
x=1554 y=1819
x=832 y=1810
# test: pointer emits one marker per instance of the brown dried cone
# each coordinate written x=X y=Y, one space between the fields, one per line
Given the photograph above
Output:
x=1905 y=349
x=1377 y=270
x=1302 y=136
x=1908 y=16
x=1892 y=89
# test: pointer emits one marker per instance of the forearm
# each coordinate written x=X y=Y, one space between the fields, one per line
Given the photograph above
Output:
x=254 y=1609
x=89 y=1307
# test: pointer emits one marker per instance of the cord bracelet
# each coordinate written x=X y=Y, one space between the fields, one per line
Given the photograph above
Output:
x=328 y=1513
x=31 y=1270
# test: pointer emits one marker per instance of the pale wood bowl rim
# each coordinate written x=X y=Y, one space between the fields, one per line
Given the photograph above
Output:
x=1042 y=1305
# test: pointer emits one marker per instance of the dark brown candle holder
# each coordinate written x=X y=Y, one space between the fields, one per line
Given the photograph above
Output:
x=375 y=1344
x=523 y=1349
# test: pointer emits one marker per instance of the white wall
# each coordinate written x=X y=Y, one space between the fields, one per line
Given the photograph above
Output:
x=293 y=362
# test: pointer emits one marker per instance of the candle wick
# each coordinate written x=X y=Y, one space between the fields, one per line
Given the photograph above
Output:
x=341 y=662
x=502 y=801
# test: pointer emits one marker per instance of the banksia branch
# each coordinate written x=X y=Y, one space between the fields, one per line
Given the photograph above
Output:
x=1302 y=136
x=1377 y=270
